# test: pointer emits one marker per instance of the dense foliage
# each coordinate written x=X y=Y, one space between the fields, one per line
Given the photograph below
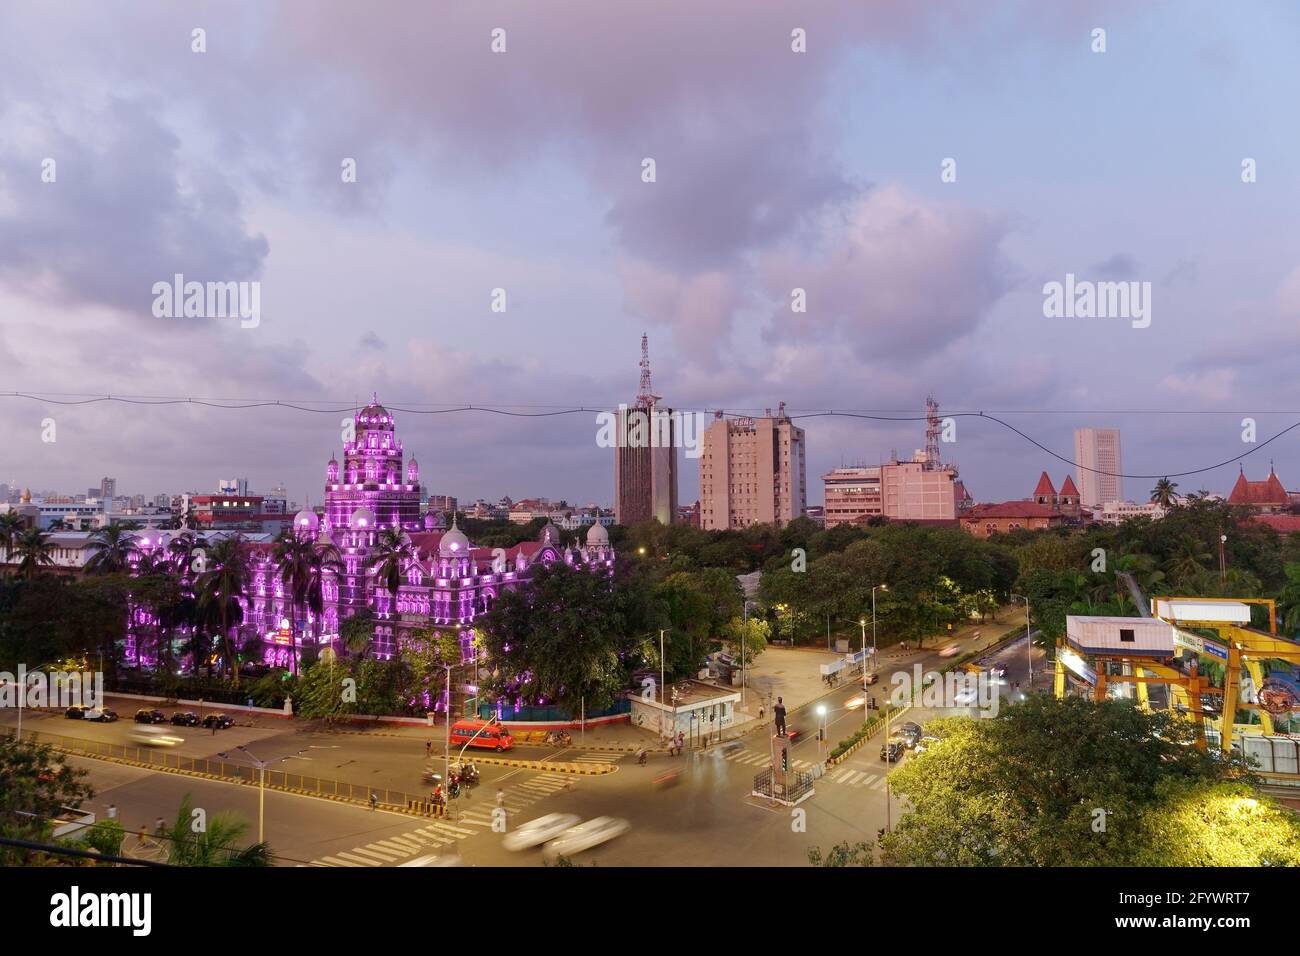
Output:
x=1070 y=783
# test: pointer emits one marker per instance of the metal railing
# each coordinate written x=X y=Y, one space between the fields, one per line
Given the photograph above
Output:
x=170 y=760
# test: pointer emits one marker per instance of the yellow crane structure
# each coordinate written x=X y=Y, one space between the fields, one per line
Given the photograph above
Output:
x=1103 y=651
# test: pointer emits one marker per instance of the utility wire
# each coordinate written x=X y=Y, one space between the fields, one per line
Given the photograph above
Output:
x=73 y=398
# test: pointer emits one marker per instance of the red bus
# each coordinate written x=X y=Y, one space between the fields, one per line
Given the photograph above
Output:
x=481 y=733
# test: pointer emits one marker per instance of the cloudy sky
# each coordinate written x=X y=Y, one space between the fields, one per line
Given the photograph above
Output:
x=522 y=170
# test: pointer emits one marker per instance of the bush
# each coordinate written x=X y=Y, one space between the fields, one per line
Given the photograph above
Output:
x=106 y=837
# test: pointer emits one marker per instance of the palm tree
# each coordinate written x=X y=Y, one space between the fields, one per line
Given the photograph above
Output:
x=1163 y=493
x=325 y=559
x=113 y=546
x=220 y=589
x=1288 y=602
x=393 y=553
x=1189 y=558
x=182 y=549
x=11 y=526
x=215 y=844
x=33 y=550
x=293 y=556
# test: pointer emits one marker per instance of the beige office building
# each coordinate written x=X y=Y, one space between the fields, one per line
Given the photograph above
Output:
x=752 y=471
x=1098 y=448
x=913 y=490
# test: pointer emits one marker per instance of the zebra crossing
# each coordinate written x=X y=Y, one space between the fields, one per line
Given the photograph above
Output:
x=857 y=778
x=844 y=775
x=471 y=818
x=752 y=759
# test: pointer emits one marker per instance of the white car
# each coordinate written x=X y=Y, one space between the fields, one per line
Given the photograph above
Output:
x=536 y=832
x=586 y=835
x=966 y=697
x=925 y=743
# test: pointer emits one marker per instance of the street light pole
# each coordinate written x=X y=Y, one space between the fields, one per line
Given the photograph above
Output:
x=1029 y=643
x=821 y=731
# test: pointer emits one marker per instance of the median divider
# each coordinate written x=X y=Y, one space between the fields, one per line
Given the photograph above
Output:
x=865 y=733
x=553 y=766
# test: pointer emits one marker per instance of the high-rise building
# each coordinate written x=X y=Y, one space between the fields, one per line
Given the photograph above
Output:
x=645 y=456
x=108 y=488
x=752 y=471
x=1097 y=450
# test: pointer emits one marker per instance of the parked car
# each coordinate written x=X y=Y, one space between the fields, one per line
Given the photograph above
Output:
x=910 y=733
x=145 y=716
x=536 y=832
x=893 y=749
x=220 y=721
x=101 y=714
x=75 y=712
x=185 y=718
x=584 y=836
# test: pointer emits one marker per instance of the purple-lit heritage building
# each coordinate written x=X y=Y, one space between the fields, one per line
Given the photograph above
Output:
x=447 y=583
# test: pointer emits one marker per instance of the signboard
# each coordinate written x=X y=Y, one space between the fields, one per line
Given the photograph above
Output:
x=1199 y=644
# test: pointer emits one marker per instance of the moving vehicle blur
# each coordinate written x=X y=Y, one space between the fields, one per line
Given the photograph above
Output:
x=154 y=737
x=584 y=836
x=536 y=832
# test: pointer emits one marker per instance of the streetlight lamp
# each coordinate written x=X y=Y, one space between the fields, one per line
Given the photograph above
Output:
x=261 y=781
x=1029 y=642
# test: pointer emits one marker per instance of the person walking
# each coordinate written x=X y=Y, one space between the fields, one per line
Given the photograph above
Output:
x=112 y=811
x=681 y=741
x=778 y=714
x=501 y=799
x=428 y=749
x=374 y=800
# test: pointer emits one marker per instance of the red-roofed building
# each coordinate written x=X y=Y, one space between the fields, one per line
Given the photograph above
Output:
x=1266 y=497
x=1282 y=524
x=985 y=520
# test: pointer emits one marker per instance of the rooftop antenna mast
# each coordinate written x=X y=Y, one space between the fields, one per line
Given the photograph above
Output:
x=645 y=396
x=932 y=428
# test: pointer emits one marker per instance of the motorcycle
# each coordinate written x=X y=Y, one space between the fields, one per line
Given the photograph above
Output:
x=468 y=774
x=559 y=738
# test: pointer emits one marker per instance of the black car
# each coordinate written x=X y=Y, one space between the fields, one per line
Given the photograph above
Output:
x=75 y=712
x=150 y=717
x=893 y=749
x=186 y=718
x=911 y=733
x=220 y=721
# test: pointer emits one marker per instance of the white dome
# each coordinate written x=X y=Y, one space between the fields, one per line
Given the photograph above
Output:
x=363 y=519
x=306 y=521
x=597 y=536
x=550 y=535
x=453 y=542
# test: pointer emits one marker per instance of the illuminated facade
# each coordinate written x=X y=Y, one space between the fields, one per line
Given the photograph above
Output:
x=446 y=583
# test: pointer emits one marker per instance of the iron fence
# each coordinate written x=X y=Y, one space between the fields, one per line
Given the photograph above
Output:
x=229 y=770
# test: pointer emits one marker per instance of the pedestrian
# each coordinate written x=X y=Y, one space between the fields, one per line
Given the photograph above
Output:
x=428 y=749
x=681 y=740
x=501 y=798
x=214 y=728
x=374 y=800
x=760 y=712
x=778 y=713
x=143 y=836
x=112 y=811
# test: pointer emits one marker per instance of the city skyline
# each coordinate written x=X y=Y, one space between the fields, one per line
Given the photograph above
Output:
x=764 y=186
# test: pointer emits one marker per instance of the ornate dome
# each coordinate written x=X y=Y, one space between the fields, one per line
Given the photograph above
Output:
x=453 y=543
x=550 y=535
x=597 y=536
x=306 y=522
x=374 y=413
x=363 y=519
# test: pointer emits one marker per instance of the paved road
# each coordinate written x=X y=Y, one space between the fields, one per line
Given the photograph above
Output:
x=706 y=817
